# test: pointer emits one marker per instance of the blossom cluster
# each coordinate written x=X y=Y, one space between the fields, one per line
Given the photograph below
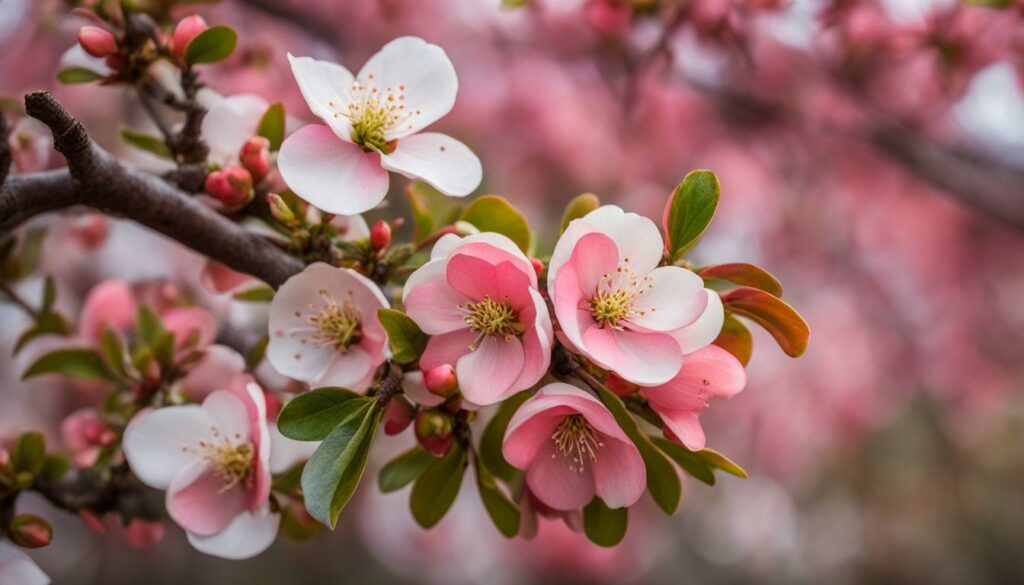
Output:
x=572 y=383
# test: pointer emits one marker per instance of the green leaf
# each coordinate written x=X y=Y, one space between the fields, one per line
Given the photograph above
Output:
x=603 y=525
x=149 y=143
x=113 y=351
x=689 y=461
x=257 y=294
x=213 y=44
x=436 y=488
x=744 y=274
x=781 y=320
x=402 y=470
x=49 y=294
x=735 y=338
x=314 y=415
x=296 y=526
x=662 y=479
x=431 y=209
x=492 y=213
x=578 y=207
x=289 y=481
x=77 y=75
x=691 y=210
x=80 y=363
x=500 y=508
x=718 y=461
x=272 y=125
x=405 y=338
x=150 y=328
x=46 y=323
x=333 y=472
x=494 y=436
x=998 y=4
x=257 y=353
x=29 y=454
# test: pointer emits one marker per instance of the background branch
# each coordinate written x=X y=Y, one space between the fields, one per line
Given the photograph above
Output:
x=97 y=180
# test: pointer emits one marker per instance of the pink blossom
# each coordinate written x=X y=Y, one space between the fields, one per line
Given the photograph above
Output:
x=142 y=534
x=214 y=461
x=478 y=299
x=191 y=326
x=84 y=434
x=187 y=29
x=372 y=123
x=324 y=328
x=217 y=365
x=615 y=305
x=572 y=449
x=110 y=304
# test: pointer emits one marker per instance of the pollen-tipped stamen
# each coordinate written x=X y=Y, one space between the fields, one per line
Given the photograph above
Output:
x=490 y=317
x=230 y=459
x=577 y=441
x=336 y=324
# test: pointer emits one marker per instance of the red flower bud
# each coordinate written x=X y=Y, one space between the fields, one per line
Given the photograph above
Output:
x=97 y=41
x=434 y=432
x=608 y=17
x=397 y=416
x=380 y=235
x=441 y=381
x=255 y=157
x=231 y=186
x=188 y=28
x=30 y=531
x=538 y=266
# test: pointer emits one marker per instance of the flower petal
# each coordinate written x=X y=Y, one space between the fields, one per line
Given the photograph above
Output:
x=229 y=123
x=353 y=370
x=447 y=348
x=229 y=415
x=435 y=307
x=286 y=453
x=154 y=441
x=421 y=72
x=444 y=162
x=683 y=426
x=555 y=484
x=212 y=372
x=675 y=298
x=636 y=236
x=647 y=359
x=620 y=477
x=324 y=86
x=705 y=329
x=248 y=534
x=198 y=502
x=333 y=175
x=487 y=374
x=17 y=568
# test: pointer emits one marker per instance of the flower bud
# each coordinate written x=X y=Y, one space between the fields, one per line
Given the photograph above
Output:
x=30 y=531
x=380 y=235
x=97 y=41
x=5 y=458
x=441 y=381
x=280 y=210
x=188 y=28
x=608 y=17
x=397 y=416
x=538 y=266
x=255 y=157
x=434 y=432
x=142 y=534
x=231 y=186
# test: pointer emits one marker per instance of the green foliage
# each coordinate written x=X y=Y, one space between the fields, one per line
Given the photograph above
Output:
x=72 y=75
x=29 y=454
x=786 y=325
x=79 y=363
x=436 y=488
x=503 y=512
x=604 y=526
x=257 y=294
x=691 y=210
x=314 y=415
x=743 y=274
x=699 y=464
x=272 y=125
x=578 y=207
x=212 y=45
x=431 y=209
x=402 y=470
x=149 y=143
x=736 y=339
x=494 y=435
x=492 y=213
x=405 y=339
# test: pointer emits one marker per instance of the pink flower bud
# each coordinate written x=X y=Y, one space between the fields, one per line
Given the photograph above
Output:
x=441 y=381
x=434 y=432
x=97 y=41
x=397 y=416
x=142 y=534
x=188 y=28
x=30 y=531
x=255 y=157
x=608 y=17
x=380 y=235
x=538 y=266
x=231 y=186
x=5 y=458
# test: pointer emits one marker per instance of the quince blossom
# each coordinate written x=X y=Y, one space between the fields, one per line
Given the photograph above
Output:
x=372 y=125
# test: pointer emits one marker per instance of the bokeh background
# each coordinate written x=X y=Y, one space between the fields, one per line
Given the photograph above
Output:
x=871 y=155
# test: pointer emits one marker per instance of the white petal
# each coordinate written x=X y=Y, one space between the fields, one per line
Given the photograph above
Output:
x=422 y=73
x=17 y=568
x=675 y=299
x=705 y=329
x=334 y=175
x=230 y=123
x=154 y=441
x=324 y=85
x=447 y=164
x=229 y=414
x=637 y=237
x=565 y=247
x=249 y=534
x=351 y=227
x=286 y=453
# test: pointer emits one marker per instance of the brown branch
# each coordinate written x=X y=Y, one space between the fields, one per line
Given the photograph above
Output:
x=97 y=180
x=5 y=149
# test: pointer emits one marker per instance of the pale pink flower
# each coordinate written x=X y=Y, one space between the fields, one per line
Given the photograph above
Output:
x=372 y=126
x=17 y=568
x=229 y=124
x=110 y=304
x=613 y=302
x=572 y=449
x=85 y=435
x=214 y=462
x=217 y=365
x=478 y=300
x=324 y=328
x=191 y=326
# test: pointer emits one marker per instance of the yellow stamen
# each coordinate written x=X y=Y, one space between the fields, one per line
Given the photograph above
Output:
x=577 y=441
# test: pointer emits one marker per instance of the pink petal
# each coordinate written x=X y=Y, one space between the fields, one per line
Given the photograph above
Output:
x=229 y=415
x=620 y=476
x=566 y=246
x=477 y=278
x=709 y=372
x=675 y=298
x=212 y=372
x=595 y=258
x=221 y=279
x=198 y=502
x=334 y=175
x=486 y=375
x=435 y=307
x=554 y=484
x=110 y=304
x=636 y=237
x=683 y=426
x=647 y=359
x=352 y=370
x=537 y=342
x=705 y=329
x=154 y=439
x=529 y=431
x=447 y=348
x=190 y=325
x=248 y=534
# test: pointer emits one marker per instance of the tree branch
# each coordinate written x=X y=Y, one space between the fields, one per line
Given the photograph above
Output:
x=97 y=180
x=5 y=149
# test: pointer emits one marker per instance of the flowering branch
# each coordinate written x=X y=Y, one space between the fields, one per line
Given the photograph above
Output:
x=96 y=179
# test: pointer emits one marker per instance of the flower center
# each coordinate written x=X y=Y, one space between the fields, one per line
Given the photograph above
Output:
x=374 y=113
x=336 y=324
x=577 y=441
x=231 y=461
x=615 y=297
x=491 y=317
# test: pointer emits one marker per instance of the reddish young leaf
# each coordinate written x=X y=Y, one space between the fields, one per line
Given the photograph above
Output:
x=781 y=320
x=735 y=338
x=744 y=274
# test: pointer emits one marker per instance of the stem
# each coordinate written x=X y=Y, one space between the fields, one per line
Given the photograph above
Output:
x=15 y=299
